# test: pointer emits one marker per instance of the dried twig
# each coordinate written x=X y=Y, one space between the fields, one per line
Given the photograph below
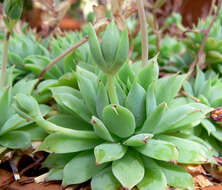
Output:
x=190 y=96
x=201 y=50
x=14 y=170
x=79 y=43
x=143 y=26
x=212 y=7
x=5 y=58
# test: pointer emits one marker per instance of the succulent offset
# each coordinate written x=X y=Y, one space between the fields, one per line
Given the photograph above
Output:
x=207 y=87
x=212 y=48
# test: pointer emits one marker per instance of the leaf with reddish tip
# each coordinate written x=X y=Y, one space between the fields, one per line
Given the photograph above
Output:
x=119 y=120
x=101 y=130
x=138 y=140
x=190 y=152
x=160 y=150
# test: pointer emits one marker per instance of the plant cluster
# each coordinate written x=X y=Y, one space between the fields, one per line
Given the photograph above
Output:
x=104 y=116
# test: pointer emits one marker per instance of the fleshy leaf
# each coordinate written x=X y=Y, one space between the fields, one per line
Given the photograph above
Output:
x=135 y=102
x=119 y=120
x=154 y=177
x=190 y=152
x=88 y=93
x=55 y=174
x=177 y=176
x=149 y=73
x=105 y=180
x=58 y=160
x=199 y=82
x=101 y=99
x=129 y=170
x=15 y=140
x=59 y=143
x=70 y=121
x=11 y=123
x=154 y=119
x=168 y=87
x=138 y=140
x=150 y=99
x=177 y=117
x=101 y=130
x=73 y=103
x=160 y=150
x=109 y=152
x=81 y=168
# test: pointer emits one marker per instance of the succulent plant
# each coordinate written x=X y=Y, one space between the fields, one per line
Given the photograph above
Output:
x=135 y=142
x=212 y=49
x=21 y=46
x=16 y=132
x=207 y=88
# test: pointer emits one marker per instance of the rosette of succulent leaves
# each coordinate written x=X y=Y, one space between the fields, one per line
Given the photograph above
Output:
x=31 y=55
x=15 y=131
x=212 y=48
x=121 y=126
x=207 y=88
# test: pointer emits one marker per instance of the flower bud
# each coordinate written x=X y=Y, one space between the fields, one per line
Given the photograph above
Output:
x=27 y=105
x=13 y=9
x=112 y=53
x=216 y=115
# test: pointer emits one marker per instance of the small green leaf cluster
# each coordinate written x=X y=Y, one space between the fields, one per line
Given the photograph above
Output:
x=15 y=131
x=212 y=48
x=21 y=46
x=112 y=53
x=134 y=143
x=13 y=10
x=207 y=87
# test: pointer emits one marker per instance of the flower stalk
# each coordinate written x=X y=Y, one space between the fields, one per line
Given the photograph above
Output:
x=112 y=89
x=5 y=58
x=143 y=26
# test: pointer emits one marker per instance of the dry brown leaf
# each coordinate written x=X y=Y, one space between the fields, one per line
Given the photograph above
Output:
x=202 y=181
x=116 y=7
x=194 y=169
x=99 y=12
x=214 y=170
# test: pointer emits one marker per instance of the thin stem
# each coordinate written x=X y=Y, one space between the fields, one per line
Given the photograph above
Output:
x=212 y=7
x=5 y=58
x=50 y=127
x=201 y=50
x=143 y=26
x=57 y=59
x=190 y=96
x=112 y=90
